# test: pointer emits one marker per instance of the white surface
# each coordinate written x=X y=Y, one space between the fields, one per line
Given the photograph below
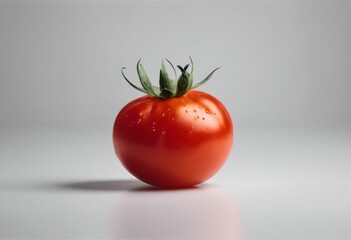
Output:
x=278 y=183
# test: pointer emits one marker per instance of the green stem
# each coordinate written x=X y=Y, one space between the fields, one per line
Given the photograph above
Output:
x=168 y=87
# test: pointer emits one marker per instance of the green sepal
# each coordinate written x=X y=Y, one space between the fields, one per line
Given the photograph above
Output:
x=166 y=87
x=184 y=83
x=205 y=80
x=145 y=81
x=190 y=76
x=130 y=83
x=174 y=70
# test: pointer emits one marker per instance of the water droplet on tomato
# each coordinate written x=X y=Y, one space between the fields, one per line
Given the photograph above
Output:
x=163 y=132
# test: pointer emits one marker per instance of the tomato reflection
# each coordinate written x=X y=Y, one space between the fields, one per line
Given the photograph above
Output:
x=199 y=212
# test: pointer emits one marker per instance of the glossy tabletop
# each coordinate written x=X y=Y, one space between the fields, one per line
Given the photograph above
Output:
x=278 y=183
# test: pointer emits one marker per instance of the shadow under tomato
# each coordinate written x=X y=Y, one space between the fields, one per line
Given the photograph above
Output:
x=115 y=185
x=103 y=185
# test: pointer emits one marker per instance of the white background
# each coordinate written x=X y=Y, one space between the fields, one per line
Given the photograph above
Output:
x=285 y=78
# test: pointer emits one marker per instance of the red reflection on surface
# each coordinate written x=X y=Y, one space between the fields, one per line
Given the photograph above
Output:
x=203 y=212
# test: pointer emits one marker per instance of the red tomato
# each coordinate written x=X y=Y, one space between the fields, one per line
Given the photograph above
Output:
x=173 y=142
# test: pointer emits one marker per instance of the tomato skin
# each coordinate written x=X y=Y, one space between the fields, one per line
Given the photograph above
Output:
x=175 y=142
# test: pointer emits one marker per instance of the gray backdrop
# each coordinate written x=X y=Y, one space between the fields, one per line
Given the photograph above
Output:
x=283 y=63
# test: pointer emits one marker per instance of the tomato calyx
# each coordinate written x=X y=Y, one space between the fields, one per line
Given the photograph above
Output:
x=168 y=87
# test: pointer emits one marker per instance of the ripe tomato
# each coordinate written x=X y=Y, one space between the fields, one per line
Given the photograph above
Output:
x=176 y=141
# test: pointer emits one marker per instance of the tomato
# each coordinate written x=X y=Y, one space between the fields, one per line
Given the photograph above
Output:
x=173 y=142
